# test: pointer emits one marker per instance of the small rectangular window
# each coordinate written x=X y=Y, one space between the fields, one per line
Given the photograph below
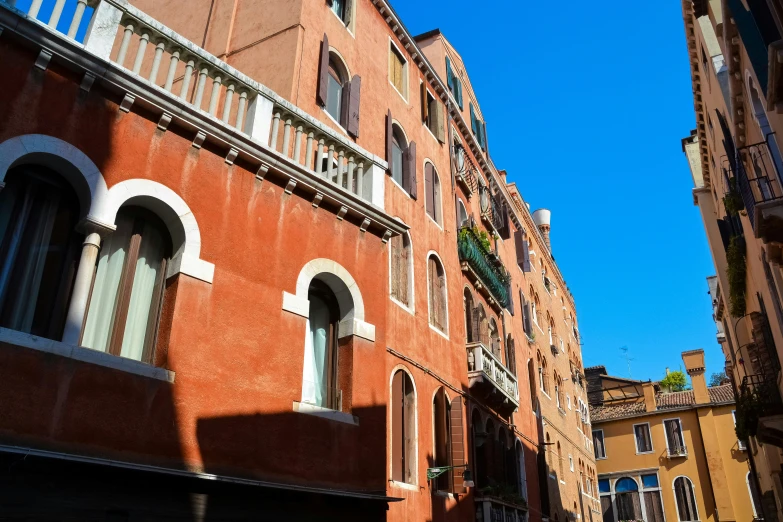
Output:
x=641 y=433
x=675 y=442
x=603 y=486
x=598 y=444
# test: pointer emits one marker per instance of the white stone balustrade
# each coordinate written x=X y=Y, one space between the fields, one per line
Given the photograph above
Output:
x=165 y=59
x=481 y=359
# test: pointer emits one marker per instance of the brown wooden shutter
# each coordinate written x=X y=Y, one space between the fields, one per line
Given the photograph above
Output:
x=525 y=256
x=425 y=107
x=442 y=301
x=457 y=445
x=441 y=438
x=409 y=416
x=353 y=106
x=440 y=129
x=476 y=326
x=409 y=170
x=519 y=238
x=389 y=141
x=429 y=197
x=323 y=73
x=404 y=266
x=397 y=426
x=345 y=105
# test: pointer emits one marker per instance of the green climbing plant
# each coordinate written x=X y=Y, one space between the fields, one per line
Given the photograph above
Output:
x=737 y=271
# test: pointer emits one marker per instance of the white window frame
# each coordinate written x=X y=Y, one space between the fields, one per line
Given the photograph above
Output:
x=682 y=435
x=397 y=124
x=446 y=297
x=603 y=444
x=740 y=444
x=568 y=401
x=750 y=494
x=350 y=26
x=636 y=476
x=405 y=70
x=636 y=441
x=439 y=203
x=411 y=308
x=406 y=485
x=695 y=500
x=571 y=462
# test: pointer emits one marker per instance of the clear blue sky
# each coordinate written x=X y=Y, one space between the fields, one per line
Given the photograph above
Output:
x=586 y=104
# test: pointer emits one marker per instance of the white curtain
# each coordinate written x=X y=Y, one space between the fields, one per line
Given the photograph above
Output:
x=28 y=244
x=147 y=268
x=316 y=345
x=103 y=303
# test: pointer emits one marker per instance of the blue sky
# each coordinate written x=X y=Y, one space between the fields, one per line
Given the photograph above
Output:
x=585 y=106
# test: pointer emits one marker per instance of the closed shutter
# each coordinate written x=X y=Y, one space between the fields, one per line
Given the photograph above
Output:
x=511 y=356
x=459 y=91
x=441 y=439
x=323 y=73
x=409 y=169
x=510 y=306
x=484 y=137
x=345 y=105
x=398 y=443
x=473 y=120
x=408 y=429
x=425 y=106
x=439 y=127
x=389 y=141
x=607 y=509
x=354 y=106
x=429 y=196
x=475 y=325
x=505 y=231
x=525 y=256
x=457 y=445
x=652 y=504
x=403 y=267
x=519 y=238
x=449 y=76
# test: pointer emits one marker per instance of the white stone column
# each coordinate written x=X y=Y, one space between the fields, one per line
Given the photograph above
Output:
x=81 y=289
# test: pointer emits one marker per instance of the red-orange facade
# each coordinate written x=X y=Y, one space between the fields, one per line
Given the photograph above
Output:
x=256 y=263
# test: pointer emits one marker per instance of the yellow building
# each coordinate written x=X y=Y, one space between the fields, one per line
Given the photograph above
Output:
x=669 y=456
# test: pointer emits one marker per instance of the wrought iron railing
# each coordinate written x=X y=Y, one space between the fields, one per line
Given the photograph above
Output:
x=755 y=169
x=759 y=397
x=484 y=264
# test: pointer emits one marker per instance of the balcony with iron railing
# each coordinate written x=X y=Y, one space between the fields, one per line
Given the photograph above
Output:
x=497 y=383
x=117 y=46
x=483 y=267
x=489 y=509
x=756 y=169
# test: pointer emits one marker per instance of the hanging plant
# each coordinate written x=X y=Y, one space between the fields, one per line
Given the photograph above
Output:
x=732 y=201
x=737 y=270
x=748 y=408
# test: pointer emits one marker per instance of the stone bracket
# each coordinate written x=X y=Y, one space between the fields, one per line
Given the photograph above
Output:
x=42 y=62
x=127 y=102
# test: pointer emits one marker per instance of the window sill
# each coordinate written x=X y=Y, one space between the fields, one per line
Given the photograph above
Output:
x=677 y=455
x=645 y=452
x=87 y=355
x=433 y=221
x=561 y=411
x=404 y=98
x=325 y=413
x=562 y=482
x=403 y=485
x=339 y=125
x=342 y=22
x=444 y=494
x=400 y=187
x=402 y=305
x=438 y=331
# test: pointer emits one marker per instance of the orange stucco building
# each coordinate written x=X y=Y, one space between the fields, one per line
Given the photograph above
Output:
x=669 y=455
x=256 y=264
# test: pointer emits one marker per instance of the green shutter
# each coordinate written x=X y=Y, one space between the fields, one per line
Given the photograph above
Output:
x=449 y=75
x=472 y=119
x=459 y=91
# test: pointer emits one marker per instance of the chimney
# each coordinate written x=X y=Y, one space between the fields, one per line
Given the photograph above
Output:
x=694 y=365
x=649 y=396
x=503 y=174
x=542 y=218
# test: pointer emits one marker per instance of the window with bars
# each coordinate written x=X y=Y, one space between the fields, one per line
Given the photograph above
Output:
x=437 y=293
x=641 y=433
x=401 y=268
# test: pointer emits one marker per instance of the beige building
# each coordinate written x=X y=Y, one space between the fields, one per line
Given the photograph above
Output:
x=669 y=456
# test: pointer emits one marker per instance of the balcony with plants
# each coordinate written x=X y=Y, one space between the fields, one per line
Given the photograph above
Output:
x=483 y=267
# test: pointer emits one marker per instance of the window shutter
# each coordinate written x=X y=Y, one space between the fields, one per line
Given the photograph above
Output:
x=450 y=76
x=398 y=419
x=459 y=91
x=409 y=422
x=510 y=306
x=348 y=11
x=323 y=72
x=472 y=115
x=442 y=301
x=389 y=140
x=518 y=242
x=425 y=108
x=457 y=445
x=440 y=128
x=484 y=137
x=505 y=230
x=345 y=105
x=441 y=437
x=525 y=256
x=409 y=169
x=428 y=191
x=403 y=271
x=354 y=103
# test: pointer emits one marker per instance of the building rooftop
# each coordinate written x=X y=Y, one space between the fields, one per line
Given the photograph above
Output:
x=665 y=401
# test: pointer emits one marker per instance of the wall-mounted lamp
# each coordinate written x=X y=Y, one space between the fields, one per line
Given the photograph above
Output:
x=467 y=476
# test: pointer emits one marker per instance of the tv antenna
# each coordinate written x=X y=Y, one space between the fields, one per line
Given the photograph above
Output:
x=627 y=358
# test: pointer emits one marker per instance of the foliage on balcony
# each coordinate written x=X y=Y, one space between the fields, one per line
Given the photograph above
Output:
x=474 y=249
x=749 y=404
x=732 y=201
x=504 y=492
x=737 y=269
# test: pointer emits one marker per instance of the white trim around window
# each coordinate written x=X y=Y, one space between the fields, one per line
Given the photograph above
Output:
x=405 y=71
x=603 y=443
x=636 y=440
x=410 y=308
x=682 y=436
x=693 y=492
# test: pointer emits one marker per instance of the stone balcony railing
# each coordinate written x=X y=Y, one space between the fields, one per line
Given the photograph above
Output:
x=489 y=509
x=486 y=371
x=162 y=70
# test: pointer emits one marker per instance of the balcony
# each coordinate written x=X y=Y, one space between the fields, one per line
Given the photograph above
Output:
x=169 y=78
x=756 y=169
x=490 y=509
x=760 y=410
x=483 y=268
x=492 y=379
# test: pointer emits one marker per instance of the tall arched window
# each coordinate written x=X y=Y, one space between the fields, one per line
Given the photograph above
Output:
x=319 y=382
x=336 y=80
x=403 y=411
x=686 y=500
x=39 y=250
x=627 y=499
x=544 y=375
x=442 y=429
x=432 y=192
x=494 y=338
x=470 y=329
x=511 y=356
x=436 y=278
x=401 y=268
x=398 y=146
x=521 y=472
x=122 y=318
x=558 y=390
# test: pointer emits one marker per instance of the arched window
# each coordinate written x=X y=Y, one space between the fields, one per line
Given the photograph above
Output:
x=531 y=379
x=319 y=382
x=124 y=309
x=560 y=460
x=442 y=430
x=478 y=440
x=336 y=81
x=686 y=500
x=470 y=320
x=558 y=390
x=398 y=146
x=511 y=356
x=462 y=214
x=403 y=399
x=39 y=250
x=436 y=279
x=521 y=473
x=494 y=338
x=755 y=498
x=401 y=269
x=627 y=499
x=544 y=375
x=432 y=192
